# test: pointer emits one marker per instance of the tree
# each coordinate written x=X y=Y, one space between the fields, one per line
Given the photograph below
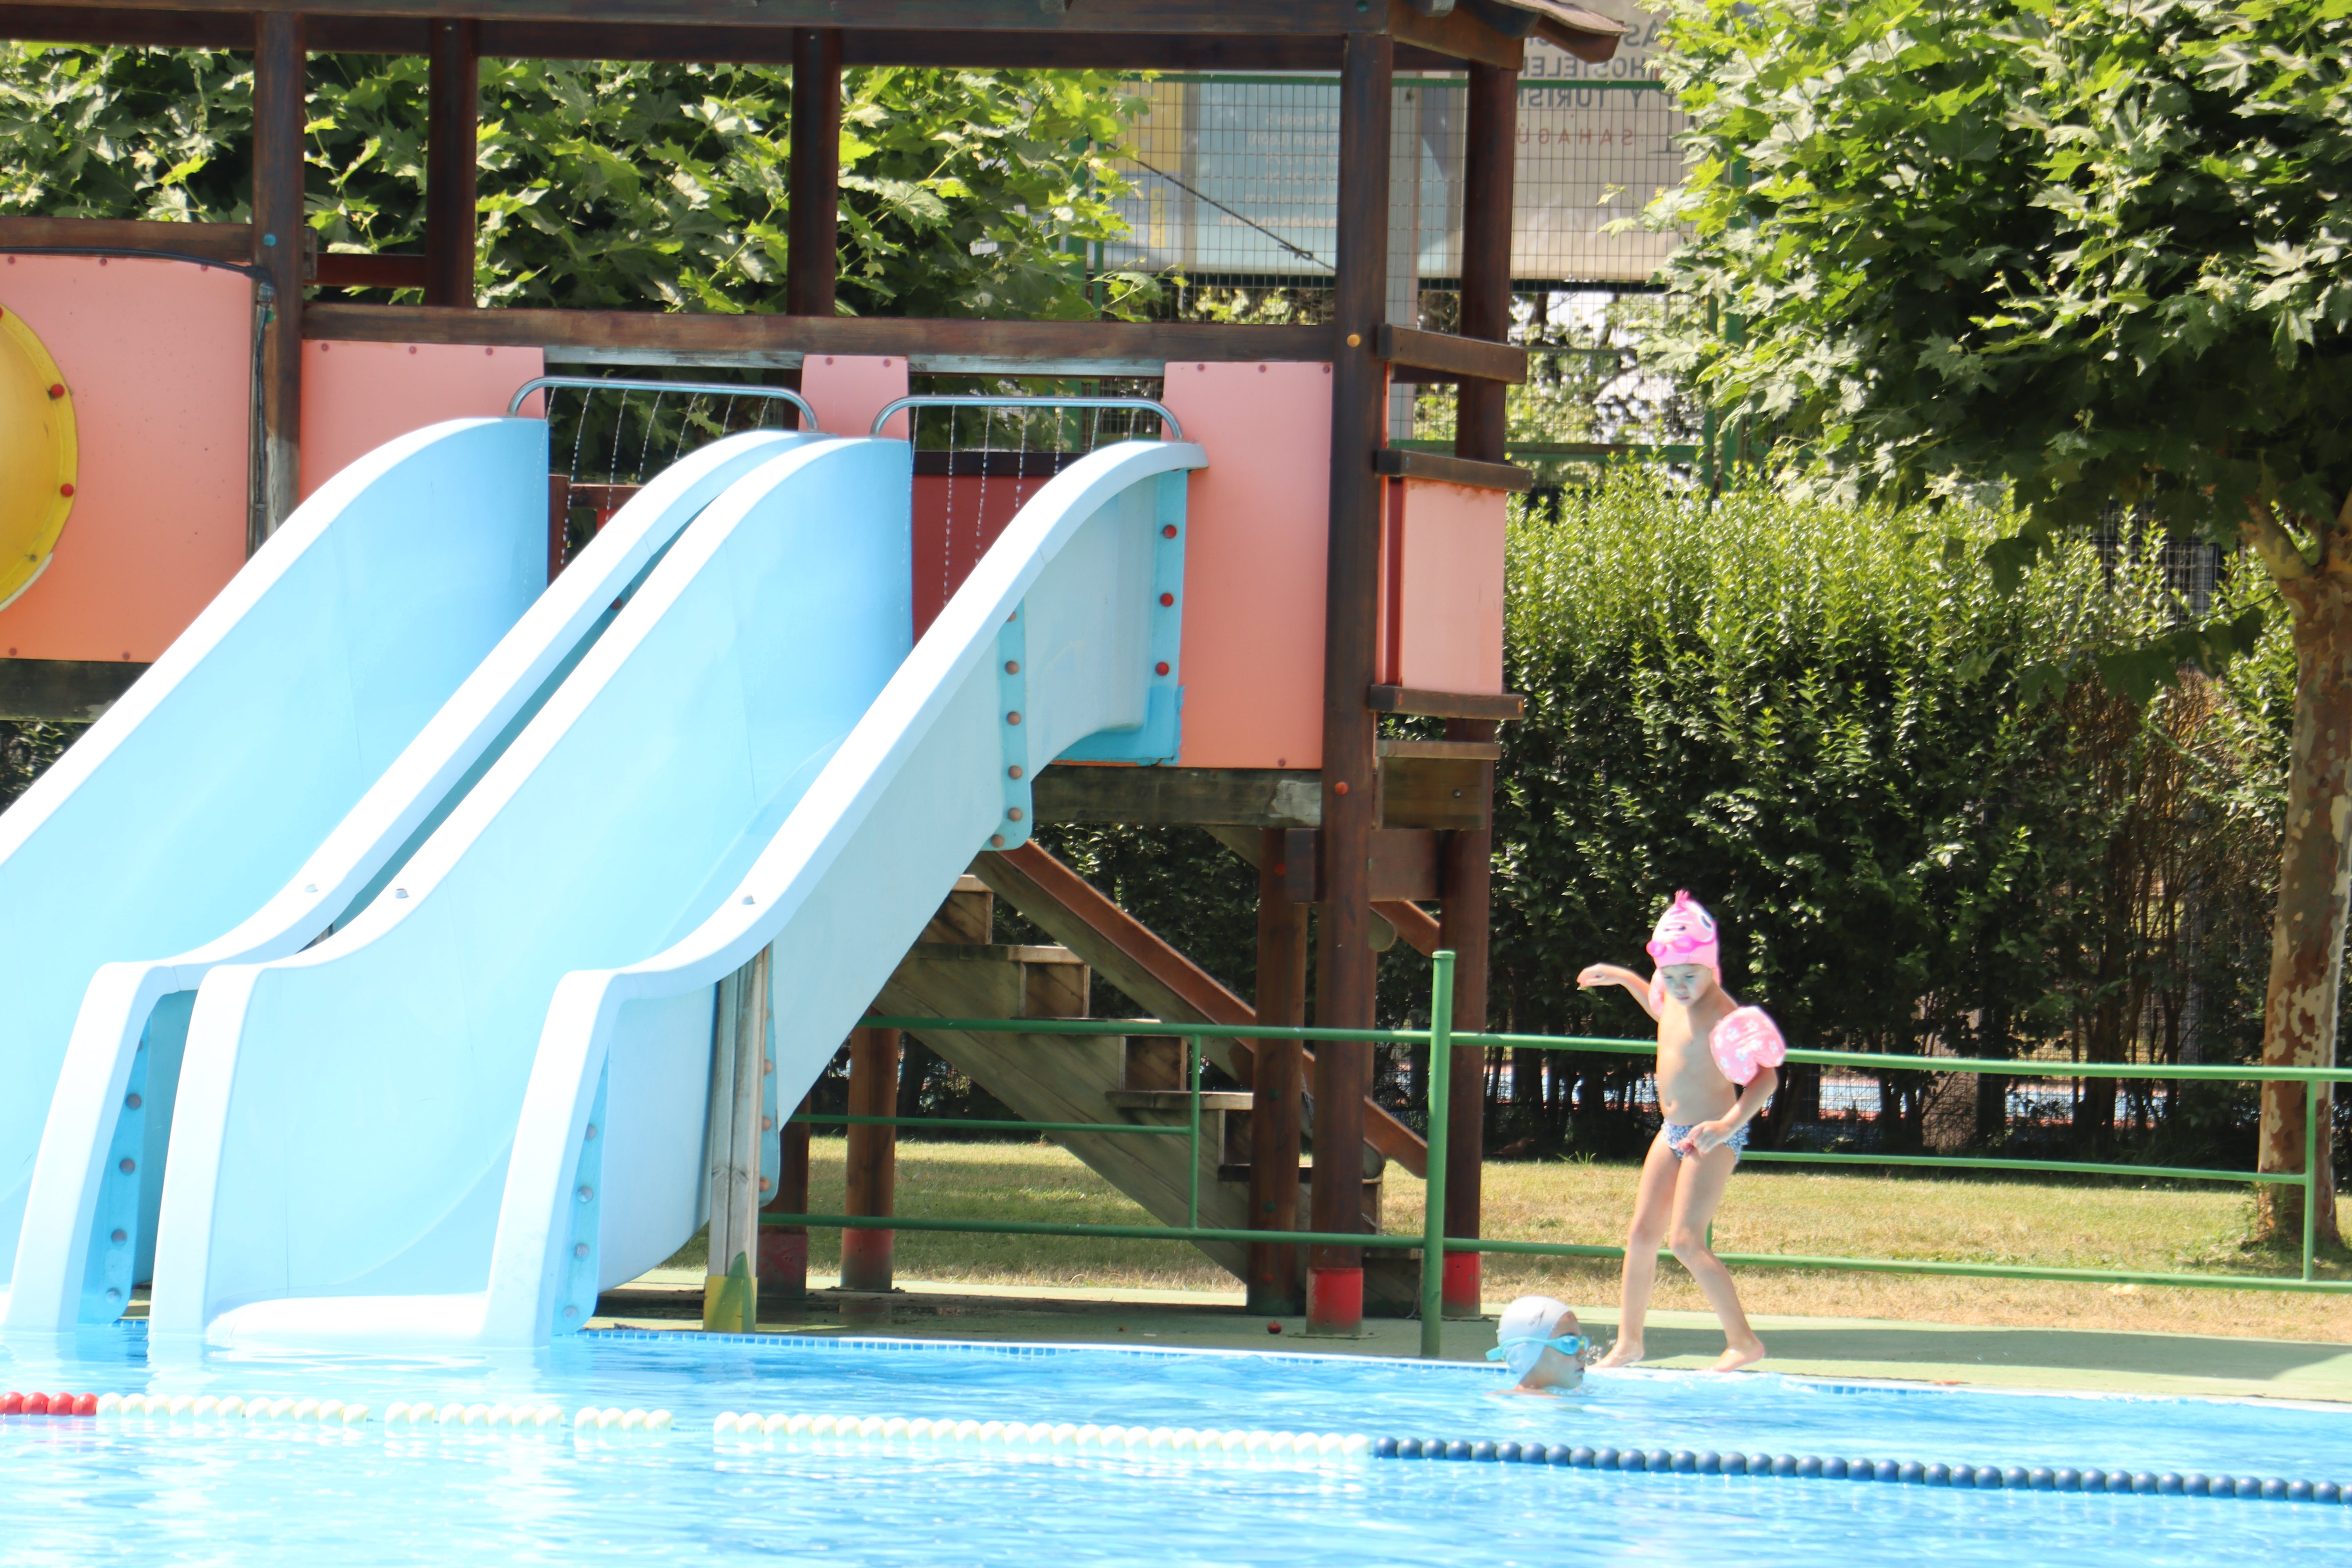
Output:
x=2092 y=253
x=615 y=185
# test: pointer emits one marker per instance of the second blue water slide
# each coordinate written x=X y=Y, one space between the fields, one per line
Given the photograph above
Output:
x=192 y=800
x=486 y=1098
x=473 y=540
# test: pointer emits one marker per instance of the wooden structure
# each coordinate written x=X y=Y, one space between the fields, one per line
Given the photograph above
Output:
x=1350 y=837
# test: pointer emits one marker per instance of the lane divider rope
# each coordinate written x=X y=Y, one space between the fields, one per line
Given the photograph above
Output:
x=265 y=1409
x=750 y=1426
x=1808 y=1467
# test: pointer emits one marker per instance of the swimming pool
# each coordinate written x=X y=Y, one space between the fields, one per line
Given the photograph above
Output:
x=77 y=1490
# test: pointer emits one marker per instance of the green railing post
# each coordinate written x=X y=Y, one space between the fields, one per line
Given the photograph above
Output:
x=2310 y=1171
x=1192 y=1185
x=1433 y=1209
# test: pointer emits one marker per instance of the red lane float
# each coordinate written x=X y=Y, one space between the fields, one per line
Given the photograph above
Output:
x=15 y=1404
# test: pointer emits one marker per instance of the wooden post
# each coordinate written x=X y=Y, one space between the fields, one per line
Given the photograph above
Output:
x=738 y=1038
x=873 y=1157
x=1276 y=1085
x=452 y=124
x=813 y=217
x=1346 y=966
x=1481 y=431
x=277 y=236
x=1490 y=154
x=783 y=1249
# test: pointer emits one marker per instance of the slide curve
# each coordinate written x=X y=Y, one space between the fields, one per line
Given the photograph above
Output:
x=460 y=1115
x=111 y=1104
x=190 y=801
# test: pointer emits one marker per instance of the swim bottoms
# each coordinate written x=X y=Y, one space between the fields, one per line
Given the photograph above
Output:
x=1674 y=1132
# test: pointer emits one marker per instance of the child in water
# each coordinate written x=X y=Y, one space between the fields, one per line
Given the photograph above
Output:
x=1539 y=1338
x=1716 y=1062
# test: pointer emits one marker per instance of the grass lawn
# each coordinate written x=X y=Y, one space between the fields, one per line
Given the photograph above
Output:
x=1770 y=1209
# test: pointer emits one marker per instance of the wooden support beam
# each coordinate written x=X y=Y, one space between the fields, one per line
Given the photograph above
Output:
x=1490 y=153
x=62 y=690
x=782 y=1271
x=1400 y=863
x=1179 y=797
x=1445 y=704
x=1141 y=342
x=813 y=218
x=225 y=242
x=1466 y=889
x=1481 y=431
x=1432 y=791
x=371 y=269
x=278 y=249
x=1278 y=1088
x=1346 y=969
x=1412 y=355
x=1399 y=463
x=452 y=130
x=873 y=1158
x=1454 y=751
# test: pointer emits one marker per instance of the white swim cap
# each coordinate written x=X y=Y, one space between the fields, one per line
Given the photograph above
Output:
x=1526 y=1326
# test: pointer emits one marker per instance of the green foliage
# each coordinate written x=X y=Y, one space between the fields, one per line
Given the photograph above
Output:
x=2079 y=250
x=1812 y=717
x=613 y=185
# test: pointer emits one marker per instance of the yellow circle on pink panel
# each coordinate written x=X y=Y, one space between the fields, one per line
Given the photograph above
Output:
x=37 y=455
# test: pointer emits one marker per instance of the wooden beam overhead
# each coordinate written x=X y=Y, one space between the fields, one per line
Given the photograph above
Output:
x=685 y=333
x=733 y=41
x=1302 y=18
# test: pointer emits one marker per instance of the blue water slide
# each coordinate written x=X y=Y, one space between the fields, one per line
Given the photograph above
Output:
x=754 y=755
x=97 y=1185
x=344 y=1113
x=192 y=800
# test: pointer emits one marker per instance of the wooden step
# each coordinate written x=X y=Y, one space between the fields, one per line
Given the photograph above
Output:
x=1178 y=1102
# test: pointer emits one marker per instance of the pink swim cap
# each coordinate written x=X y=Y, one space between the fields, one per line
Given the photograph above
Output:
x=1685 y=934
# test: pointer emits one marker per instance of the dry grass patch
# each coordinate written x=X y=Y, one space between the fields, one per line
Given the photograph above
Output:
x=1770 y=1209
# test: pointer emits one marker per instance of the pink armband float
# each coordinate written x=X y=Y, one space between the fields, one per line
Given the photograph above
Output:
x=1746 y=1043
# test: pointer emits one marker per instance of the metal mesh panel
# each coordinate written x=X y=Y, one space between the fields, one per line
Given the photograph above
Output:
x=1236 y=181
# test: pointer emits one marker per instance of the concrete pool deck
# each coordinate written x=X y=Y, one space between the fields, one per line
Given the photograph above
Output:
x=2067 y=1360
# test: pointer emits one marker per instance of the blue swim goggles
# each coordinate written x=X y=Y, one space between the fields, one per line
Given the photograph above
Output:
x=1566 y=1345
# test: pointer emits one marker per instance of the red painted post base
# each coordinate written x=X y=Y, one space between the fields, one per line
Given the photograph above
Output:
x=1462 y=1293
x=1335 y=1302
x=784 y=1265
x=866 y=1259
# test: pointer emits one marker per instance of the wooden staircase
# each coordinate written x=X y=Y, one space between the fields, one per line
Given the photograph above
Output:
x=956 y=971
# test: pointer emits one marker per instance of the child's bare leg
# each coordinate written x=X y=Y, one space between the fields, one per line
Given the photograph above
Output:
x=1696 y=1196
x=1653 y=1203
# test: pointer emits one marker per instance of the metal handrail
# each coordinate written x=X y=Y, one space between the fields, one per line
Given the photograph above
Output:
x=1433 y=1244
x=926 y=400
x=698 y=388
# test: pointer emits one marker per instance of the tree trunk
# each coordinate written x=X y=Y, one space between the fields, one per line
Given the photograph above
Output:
x=2314 y=878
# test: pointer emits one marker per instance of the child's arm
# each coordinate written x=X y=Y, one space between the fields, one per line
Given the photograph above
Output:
x=1711 y=1135
x=1614 y=975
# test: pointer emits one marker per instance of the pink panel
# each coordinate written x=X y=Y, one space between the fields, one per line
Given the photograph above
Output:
x=357 y=397
x=1445 y=626
x=848 y=390
x=1254 y=567
x=159 y=357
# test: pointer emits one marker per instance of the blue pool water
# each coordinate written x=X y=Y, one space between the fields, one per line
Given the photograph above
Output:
x=75 y=1491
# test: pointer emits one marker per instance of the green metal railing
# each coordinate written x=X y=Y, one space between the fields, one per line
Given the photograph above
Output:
x=1441 y=1040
